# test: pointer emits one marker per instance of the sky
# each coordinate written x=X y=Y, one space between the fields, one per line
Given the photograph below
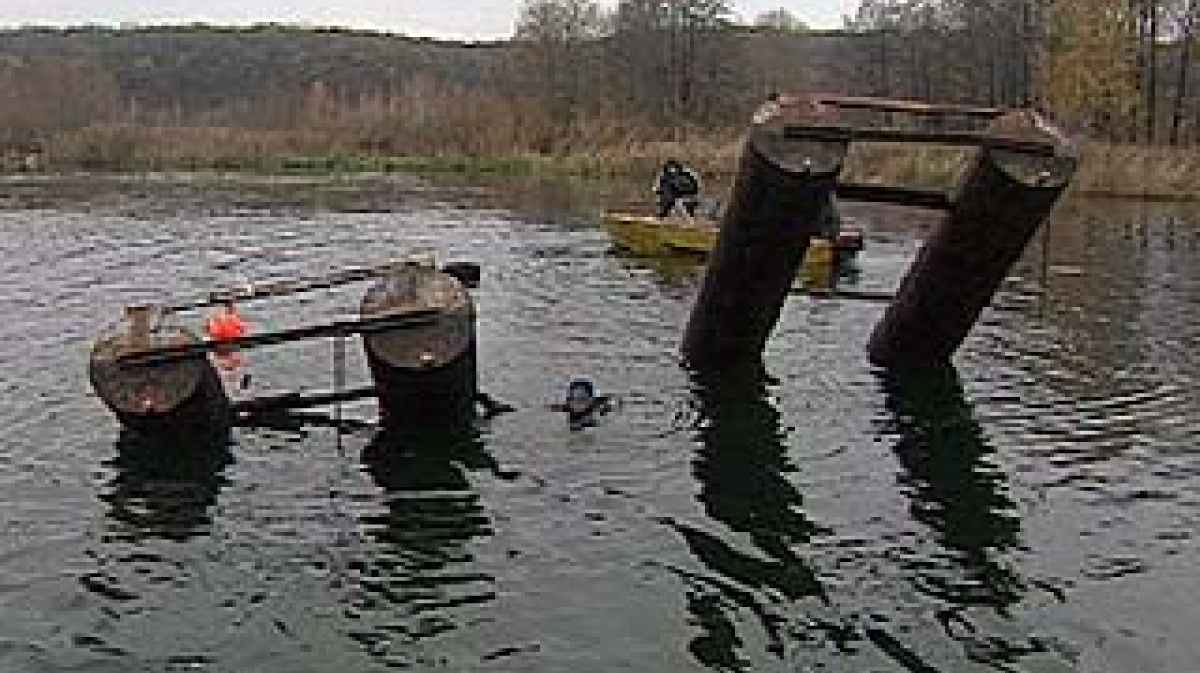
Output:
x=461 y=19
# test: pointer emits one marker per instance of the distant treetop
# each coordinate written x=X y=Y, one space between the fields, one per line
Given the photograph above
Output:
x=781 y=20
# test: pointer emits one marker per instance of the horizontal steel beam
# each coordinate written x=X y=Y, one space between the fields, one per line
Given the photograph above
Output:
x=279 y=288
x=846 y=293
x=839 y=134
x=909 y=106
x=903 y=196
x=294 y=400
x=371 y=325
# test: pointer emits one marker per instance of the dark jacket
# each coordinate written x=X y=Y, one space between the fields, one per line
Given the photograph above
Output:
x=675 y=181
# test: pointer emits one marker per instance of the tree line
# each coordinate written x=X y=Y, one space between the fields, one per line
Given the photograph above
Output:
x=577 y=75
x=1118 y=70
x=1112 y=69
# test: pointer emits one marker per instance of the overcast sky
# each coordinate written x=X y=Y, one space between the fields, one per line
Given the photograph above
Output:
x=469 y=19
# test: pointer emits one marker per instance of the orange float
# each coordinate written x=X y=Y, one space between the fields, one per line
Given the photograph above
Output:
x=225 y=327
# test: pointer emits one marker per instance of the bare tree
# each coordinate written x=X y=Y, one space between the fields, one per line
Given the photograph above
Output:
x=38 y=99
x=780 y=20
x=554 y=40
x=672 y=57
x=1186 y=30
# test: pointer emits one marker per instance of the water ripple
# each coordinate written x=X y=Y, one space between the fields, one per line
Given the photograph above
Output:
x=829 y=518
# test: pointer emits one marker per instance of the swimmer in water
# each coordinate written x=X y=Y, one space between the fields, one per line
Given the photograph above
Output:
x=582 y=404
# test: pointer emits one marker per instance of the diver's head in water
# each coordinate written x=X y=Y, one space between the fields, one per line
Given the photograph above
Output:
x=581 y=397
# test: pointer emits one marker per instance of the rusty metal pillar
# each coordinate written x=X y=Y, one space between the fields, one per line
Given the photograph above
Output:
x=785 y=179
x=425 y=377
x=181 y=399
x=1001 y=201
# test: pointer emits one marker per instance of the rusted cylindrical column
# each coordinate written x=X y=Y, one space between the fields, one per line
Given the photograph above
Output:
x=785 y=180
x=182 y=398
x=424 y=376
x=1001 y=202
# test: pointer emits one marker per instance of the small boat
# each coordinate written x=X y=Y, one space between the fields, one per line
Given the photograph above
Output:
x=649 y=236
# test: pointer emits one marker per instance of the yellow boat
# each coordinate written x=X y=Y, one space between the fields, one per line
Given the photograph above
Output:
x=649 y=236
x=652 y=236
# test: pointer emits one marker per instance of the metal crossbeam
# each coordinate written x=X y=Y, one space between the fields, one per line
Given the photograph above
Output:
x=904 y=196
x=384 y=323
x=278 y=288
x=280 y=402
x=842 y=134
x=909 y=106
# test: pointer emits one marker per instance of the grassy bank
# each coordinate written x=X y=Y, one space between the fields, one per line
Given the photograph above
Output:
x=320 y=152
x=1125 y=171
x=1106 y=170
x=643 y=162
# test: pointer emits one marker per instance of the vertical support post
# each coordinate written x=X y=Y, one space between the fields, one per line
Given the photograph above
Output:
x=139 y=318
x=424 y=377
x=339 y=383
x=1002 y=200
x=784 y=182
x=183 y=399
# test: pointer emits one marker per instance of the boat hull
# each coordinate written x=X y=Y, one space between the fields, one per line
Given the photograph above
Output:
x=677 y=236
x=649 y=236
x=653 y=236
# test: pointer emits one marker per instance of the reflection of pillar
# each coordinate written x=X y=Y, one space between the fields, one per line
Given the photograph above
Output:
x=165 y=490
x=954 y=489
x=417 y=578
x=741 y=470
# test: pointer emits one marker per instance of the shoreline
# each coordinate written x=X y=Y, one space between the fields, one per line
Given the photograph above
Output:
x=714 y=165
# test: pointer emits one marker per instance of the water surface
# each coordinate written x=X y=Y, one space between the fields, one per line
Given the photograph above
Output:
x=1035 y=512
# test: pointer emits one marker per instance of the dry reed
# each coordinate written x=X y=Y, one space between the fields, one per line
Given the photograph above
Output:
x=482 y=139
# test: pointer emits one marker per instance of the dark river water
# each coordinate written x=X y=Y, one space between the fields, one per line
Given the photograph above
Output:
x=1038 y=513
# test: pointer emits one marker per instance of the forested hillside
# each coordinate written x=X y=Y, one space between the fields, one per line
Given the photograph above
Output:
x=387 y=93
x=201 y=68
x=578 y=79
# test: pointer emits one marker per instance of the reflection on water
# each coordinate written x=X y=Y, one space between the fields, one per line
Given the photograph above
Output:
x=164 y=490
x=758 y=563
x=670 y=272
x=954 y=487
x=741 y=466
x=1036 y=513
x=417 y=583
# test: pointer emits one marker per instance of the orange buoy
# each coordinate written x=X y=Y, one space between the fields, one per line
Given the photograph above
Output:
x=225 y=326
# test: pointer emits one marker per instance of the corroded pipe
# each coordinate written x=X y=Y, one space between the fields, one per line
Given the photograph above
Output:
x=183 y=398
x=424 y=376
x=1001 y=201
x=783 y=186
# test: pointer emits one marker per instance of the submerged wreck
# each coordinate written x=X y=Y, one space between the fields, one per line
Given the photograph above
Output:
x=417 y=322
x=417 y=327
x=791 y=166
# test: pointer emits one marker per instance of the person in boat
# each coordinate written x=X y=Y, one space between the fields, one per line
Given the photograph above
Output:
x=677 y=185
x=847 y=242
x=225 y=325
x=582 y=405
